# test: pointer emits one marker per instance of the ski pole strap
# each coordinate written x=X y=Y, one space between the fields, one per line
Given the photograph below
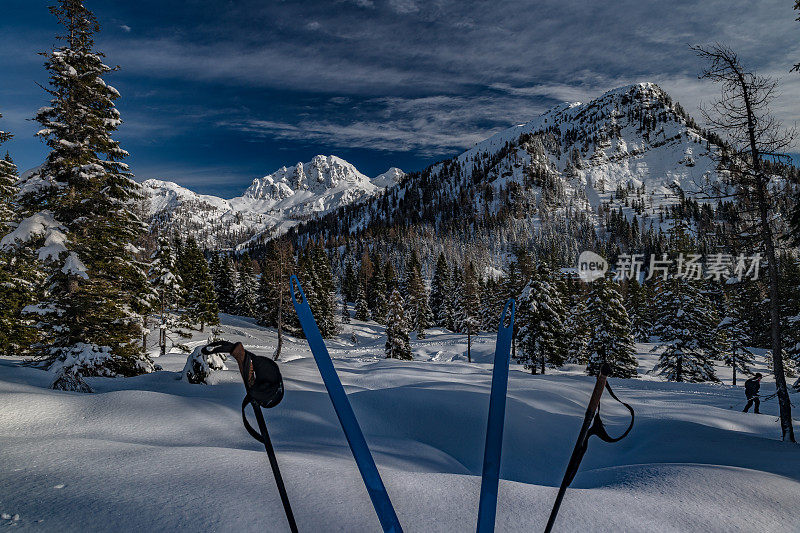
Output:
x=592 y=425
x=344 y=411
x=490 y=478
x=600 y=430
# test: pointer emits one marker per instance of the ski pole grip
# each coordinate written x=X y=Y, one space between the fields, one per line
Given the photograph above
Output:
x=239 y=354
x=599 y=386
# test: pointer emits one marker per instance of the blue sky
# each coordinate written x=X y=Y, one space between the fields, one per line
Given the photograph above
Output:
x=215 y=93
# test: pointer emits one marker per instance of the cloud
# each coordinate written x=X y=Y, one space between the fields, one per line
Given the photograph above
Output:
x=431 y=126
x=125 y=28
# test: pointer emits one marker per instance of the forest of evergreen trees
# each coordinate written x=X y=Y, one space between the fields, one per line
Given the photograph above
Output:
x=83 y=283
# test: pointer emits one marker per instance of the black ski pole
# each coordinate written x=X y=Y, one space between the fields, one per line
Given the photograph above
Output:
x=268 y=390
x=273 y=462
x=592 y=425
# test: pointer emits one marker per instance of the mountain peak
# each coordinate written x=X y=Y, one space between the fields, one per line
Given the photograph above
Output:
x=318 y=175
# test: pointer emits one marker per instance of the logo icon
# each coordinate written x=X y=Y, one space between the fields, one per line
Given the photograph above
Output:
x=591 y=266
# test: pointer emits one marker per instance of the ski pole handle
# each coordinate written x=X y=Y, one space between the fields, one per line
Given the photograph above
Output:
x=239 y=354
x=597 y=393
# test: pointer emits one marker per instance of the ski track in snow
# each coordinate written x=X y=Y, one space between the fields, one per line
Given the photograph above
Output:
x=153 y=453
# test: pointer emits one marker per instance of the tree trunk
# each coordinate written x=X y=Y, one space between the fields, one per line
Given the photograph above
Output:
x=469 y=346
x=734 y=369
x=784 y=404
x=787 y=432
x=278 y=348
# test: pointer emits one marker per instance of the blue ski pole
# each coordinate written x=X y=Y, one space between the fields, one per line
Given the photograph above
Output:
x=347 y=418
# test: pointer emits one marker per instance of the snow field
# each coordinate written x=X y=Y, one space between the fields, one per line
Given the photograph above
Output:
x=159 y=454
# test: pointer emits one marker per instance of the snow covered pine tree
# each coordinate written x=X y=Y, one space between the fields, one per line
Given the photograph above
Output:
x=398 y=345
x=610 y=340
x=82 y=224
x=17 y=270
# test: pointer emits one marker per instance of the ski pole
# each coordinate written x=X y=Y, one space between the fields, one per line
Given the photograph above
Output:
x=592 y=425
x=268 y=393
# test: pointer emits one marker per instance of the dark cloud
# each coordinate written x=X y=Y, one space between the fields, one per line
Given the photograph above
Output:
x=406 y=80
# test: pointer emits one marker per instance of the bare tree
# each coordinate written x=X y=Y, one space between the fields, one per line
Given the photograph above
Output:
x=742 y=116
x=278 y=267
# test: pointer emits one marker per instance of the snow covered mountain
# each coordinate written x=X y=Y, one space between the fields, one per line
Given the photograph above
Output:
x=631 y=156
x=268 y=207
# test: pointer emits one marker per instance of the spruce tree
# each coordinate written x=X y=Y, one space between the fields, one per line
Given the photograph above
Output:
x=362 y=307
x=440 y=293
x=419 y=311
x=637 y=304
x=398 y=345
x=790 y=309
x=734 y=337
x=19 y=281
x=685 y=325
x=469 y=304
x=166 y=285
x=199 y=298
x=610 y=340
x=324 y=292
x=227 y=285
x=541 y=316
x=81 y=219
x=390 y=277
x=247 y=290
x=350 y=281
x=376 y=294
x=345 y=312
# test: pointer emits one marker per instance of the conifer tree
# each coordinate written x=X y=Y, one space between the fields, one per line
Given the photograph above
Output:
x=440 y=293
x=80 y=216
x=227 y=285
x=577 y=331
x=541 y=316
x=362 y=308
x=376 y=294
x=685 y=325
x=324 y=292
x=398 y=345
x=390 y=277
x=610 y=340
x=734 y=338
x=419 y=311
x=350 y=281
x=18 y=276
x=199 y=299
x=345 y=312
x=637 y=304
x=247 y=290
x=469 y=304
x=492 y=303
x=167 y=287
x=790 y=309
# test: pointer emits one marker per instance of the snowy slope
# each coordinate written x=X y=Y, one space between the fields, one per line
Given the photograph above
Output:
x=270 y=205
x=156 y=454
x=558 y=176
x=554 y=170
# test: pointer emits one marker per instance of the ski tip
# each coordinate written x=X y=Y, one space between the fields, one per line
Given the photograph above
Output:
x=293 y=281
x=508 y=311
